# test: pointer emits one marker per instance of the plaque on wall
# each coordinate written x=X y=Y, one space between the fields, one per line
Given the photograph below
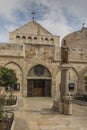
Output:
x=17 y=86
x=71 y=86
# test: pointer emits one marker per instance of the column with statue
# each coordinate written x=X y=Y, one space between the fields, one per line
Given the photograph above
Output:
x=64 y=103
x=65 y=98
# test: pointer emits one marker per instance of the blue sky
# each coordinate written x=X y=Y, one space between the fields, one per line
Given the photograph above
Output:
x=60 y=17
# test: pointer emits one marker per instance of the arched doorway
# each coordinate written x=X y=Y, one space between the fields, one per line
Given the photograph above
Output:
x=39 y=82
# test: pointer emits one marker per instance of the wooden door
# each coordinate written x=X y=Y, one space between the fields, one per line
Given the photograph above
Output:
x=48 y=88
x=38 y=88
x=29 y=88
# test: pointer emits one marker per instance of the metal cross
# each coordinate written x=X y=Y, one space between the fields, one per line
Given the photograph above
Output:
x=33 y=13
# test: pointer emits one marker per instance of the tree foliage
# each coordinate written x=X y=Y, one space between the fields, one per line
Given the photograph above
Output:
x=2 y=103
x=7 y=77
x=85 y=78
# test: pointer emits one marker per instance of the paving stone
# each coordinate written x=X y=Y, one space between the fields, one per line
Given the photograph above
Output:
x=33 y=126
x=36 y=114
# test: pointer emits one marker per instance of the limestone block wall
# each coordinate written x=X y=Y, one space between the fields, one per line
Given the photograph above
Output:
x=11 y=50
x=43 y=52
x=53 y=69
x=77 y=39
x=76 y=75
x=15 y=63
x=57 y=54
x=33 y=33
x=22 y=57
x=78 y=55
x=29 y=38
x=43 y=55
x=77 y=42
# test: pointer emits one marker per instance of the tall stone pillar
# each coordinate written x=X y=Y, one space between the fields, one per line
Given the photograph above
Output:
x=64 y=104
x=63 y=86
x=24 y=87
x=81 y=90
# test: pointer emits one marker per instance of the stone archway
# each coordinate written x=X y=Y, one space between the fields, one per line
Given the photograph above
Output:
x=39 y=82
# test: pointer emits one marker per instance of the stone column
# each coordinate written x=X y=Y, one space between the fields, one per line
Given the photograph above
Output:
x=81 y=88
x=53 y=91
x=64 y=104
x=55 y=106
x=24 y=91
x=63 y=86
x=59 y=103
x=65 y=99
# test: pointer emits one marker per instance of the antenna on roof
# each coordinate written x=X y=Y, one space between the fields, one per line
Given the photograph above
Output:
x=33 y=13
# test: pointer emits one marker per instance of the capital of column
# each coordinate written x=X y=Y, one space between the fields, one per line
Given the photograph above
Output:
x=65 y=66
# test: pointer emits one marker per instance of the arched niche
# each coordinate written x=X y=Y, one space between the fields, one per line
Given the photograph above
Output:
x=72 y=79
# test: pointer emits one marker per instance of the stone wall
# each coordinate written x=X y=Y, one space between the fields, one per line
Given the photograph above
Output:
x=77 y=39
x=41 y=55
x=34 y=45
x=78 y=55
x=77 y=42
x=11 y=50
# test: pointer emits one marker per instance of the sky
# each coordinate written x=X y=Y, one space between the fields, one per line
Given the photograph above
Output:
x=60 y=17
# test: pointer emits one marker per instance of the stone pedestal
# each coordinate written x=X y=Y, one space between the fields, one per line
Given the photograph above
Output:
x=55 y=105
x=61 y=107
x=68 y=105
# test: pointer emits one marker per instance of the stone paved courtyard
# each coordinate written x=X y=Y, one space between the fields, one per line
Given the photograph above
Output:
x=36 y=114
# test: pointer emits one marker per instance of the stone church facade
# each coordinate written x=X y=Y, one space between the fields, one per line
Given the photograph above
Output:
x=35 y=55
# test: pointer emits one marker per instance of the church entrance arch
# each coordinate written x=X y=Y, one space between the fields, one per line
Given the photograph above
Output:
x=39 y=82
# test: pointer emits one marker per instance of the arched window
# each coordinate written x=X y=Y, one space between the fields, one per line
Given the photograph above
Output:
x=17 y=37
x=23 y=37
x=29 y=37
x=35 y=38
x=51 y=39
x=46 y=39
x=39 y=70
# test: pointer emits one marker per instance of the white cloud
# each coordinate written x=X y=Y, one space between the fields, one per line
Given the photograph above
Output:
x=52 y=14
x=8 y=7
x=4 y=37
x=77 y=8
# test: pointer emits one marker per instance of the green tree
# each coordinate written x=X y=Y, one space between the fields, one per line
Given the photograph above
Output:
x=7 y=77
x=2 y=103
x=85 y=78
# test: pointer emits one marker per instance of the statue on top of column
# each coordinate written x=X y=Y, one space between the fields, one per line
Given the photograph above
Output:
x=64 y=52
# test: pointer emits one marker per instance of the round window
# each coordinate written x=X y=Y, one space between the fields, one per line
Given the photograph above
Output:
x=39 y=70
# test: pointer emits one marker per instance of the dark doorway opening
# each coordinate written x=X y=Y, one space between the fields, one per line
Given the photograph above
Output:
x=39 y=88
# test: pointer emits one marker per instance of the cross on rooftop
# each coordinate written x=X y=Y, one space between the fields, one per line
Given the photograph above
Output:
x=33 y=13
